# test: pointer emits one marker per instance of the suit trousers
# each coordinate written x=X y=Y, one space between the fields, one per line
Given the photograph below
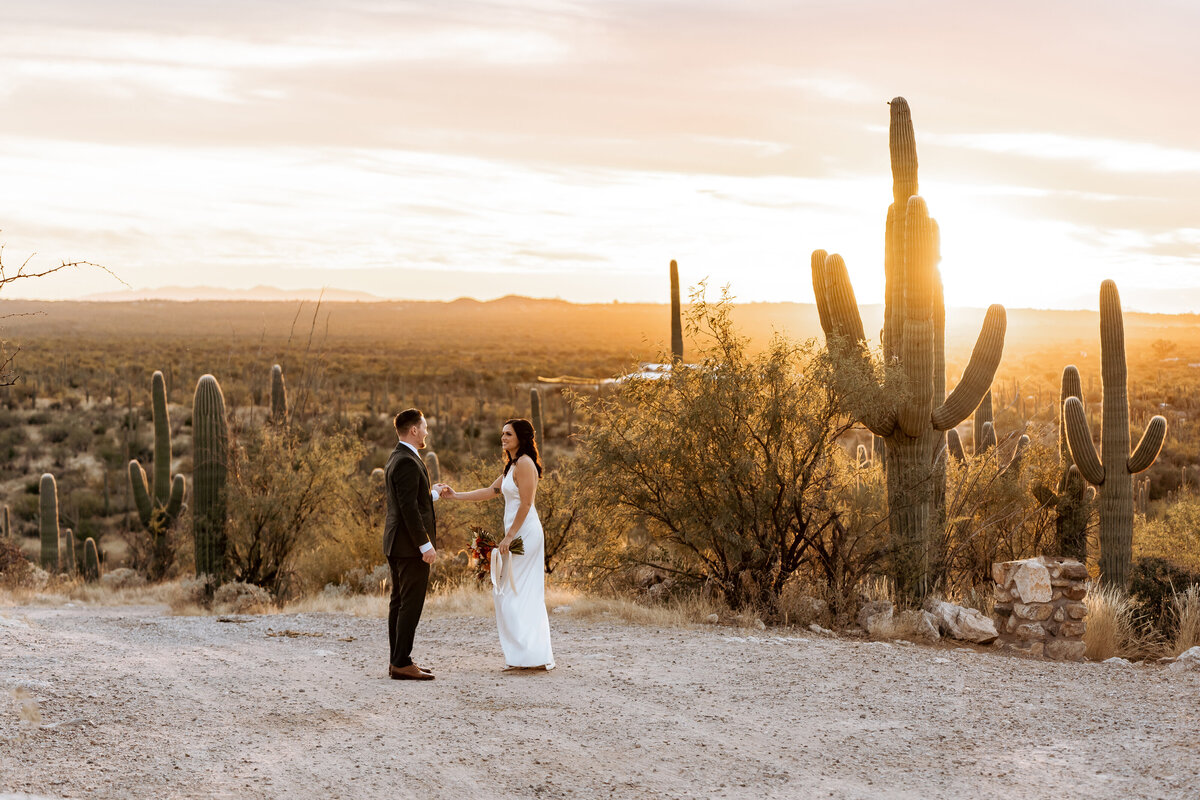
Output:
x=410 y=580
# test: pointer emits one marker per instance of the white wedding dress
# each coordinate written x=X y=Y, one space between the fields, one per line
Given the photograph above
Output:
x=520 y=596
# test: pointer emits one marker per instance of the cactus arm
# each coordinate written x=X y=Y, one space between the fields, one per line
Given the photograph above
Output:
x=845 y=338
x=893 y=289
x=1079 y=437
x=818 y=279
x=141 y=493
x=1072 y=386
x=978 y=376
x=842 y=307
x=175 y=502
x=1147 y=449
x=916 y=346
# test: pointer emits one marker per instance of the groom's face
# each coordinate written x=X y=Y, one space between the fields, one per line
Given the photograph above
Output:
x=422 y=433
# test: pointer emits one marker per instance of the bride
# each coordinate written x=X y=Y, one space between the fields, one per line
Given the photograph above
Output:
x=519 y=595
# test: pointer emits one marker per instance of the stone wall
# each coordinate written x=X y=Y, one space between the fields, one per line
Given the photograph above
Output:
x=1039 y=606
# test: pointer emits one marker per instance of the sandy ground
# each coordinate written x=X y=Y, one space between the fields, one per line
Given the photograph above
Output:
x=183 y=707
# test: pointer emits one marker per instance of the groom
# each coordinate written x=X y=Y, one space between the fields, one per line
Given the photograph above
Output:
x=409 y=535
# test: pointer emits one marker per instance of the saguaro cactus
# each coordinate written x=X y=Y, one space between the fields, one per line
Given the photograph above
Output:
x=6 y=522
x=91 y=560
x=68 y=552
x=983 y=423
x=1070 y=497
x=432 y=466
x=535 y=413
x=48 y=522
x=676 y=317
x=913 y=416
x=211 y=468
x=160 y=504
x=278 y=395
x=1112 y=470
x=984 y=430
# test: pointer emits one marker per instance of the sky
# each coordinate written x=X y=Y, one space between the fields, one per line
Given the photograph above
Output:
x=563 y=148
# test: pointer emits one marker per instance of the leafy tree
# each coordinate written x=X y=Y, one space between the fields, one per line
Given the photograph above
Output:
x=728 y=469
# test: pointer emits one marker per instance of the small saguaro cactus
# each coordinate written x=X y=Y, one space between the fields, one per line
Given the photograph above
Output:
x=6 y=522
x=1111 y=471
x=278 y=396
x=432 y=466
x=91 y=561
x=676 y=317
x=913 y=417
x=535 y=415
x=48 y=522
x=984 y=425
x=1070 y=497
x=68 y=552
x=984 y=432
x=211 y=469
x=158 y=504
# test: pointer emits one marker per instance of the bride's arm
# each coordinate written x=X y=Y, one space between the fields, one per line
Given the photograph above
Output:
x=526 y=478
x=486 y=493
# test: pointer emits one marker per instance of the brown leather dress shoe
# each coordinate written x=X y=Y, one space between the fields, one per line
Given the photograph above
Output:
x=410 y=673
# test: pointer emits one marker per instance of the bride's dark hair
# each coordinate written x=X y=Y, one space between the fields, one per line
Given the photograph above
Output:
x=526 y=445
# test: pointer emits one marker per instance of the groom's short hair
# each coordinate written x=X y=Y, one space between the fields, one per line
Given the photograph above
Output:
x=406 y=419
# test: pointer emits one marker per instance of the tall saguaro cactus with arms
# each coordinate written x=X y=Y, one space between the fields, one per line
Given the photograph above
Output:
x=158 y=504
x=1111 y=471
x=907 y=406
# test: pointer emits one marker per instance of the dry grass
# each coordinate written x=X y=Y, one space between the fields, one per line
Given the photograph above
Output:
x=89 y=594
x=1114 y=627
x=1185 y=606
x=465 y=599
x=468 y=599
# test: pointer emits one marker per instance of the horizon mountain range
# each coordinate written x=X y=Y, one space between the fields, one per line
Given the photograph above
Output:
x=263 y=293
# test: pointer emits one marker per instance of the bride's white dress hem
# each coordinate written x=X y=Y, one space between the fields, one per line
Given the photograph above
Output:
x=521 y=617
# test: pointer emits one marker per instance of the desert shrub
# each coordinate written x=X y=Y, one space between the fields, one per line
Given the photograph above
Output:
x=122 y=578
x=726 y=470
x=241 y=598
x=992 y=515
x=350 y=548
x=14 y=567
x=288 y=490
x=1174 y=535
x=1155 y=582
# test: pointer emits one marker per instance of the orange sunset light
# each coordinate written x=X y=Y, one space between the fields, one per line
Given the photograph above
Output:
x=571 y=149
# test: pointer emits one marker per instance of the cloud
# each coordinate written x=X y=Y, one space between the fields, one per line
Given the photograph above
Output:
x=1113 y=155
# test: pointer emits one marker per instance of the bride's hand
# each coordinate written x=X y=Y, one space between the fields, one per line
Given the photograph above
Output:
x=504 y=544
x=446 y=492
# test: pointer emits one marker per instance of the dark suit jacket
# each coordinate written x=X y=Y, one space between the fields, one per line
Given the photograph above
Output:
x=410 y=518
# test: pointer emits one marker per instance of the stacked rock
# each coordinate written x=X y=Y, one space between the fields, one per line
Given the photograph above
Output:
x=1039 y=606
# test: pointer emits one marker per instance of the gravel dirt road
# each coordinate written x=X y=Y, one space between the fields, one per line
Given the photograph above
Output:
x=143 y=704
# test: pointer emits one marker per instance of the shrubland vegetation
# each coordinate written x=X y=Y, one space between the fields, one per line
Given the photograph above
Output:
x=745 y=479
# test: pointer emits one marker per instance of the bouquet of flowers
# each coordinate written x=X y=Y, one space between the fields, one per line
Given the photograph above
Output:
x=481 y=550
